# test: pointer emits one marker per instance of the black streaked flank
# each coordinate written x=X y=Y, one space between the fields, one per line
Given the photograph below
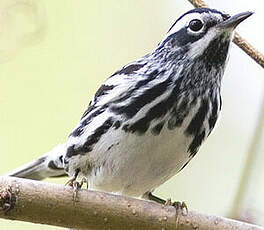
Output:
x=88 y=110
x=95 y=137
x=77 y=132
x=139 y=102
x=148 y=78
x=117 y=124
x=214 y=114
x=157 y=128
x=157 y=111
x=91 y=140
x=178 y=113
x=71 y=151
x=93 y=112
x=195 y=144
x=104 y=89
x=197 y=122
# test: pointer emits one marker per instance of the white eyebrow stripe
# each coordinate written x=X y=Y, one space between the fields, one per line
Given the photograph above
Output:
x=183 y=22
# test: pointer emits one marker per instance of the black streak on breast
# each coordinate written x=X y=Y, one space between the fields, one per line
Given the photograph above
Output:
x=91 y=140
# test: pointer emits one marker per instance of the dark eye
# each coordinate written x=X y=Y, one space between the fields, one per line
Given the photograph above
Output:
x=195 y=25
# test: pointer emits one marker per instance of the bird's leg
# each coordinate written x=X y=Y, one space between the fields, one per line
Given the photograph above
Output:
x=179 y=206
x=75 y=184
x=72 y=180
x=152 y=197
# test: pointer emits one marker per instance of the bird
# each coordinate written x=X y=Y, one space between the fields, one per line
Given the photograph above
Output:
x=148 y=119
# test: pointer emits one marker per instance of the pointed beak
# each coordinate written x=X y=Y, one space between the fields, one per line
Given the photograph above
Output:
x=235 y=20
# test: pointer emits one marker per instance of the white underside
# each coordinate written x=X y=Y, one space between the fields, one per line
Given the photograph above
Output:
x=136 y=163
x=140 y=164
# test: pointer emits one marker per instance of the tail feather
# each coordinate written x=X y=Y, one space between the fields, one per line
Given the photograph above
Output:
x=49 y=165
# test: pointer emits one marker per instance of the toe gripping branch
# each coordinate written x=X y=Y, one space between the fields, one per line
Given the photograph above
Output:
x=76 y=185
x=7 y=200
x=177 y=204
x=180 y=207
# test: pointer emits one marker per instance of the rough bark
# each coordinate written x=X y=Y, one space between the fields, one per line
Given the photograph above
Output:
x=45 y=203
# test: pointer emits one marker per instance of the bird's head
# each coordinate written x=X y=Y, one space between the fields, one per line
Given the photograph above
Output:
x=203 y=32
x=197 y=45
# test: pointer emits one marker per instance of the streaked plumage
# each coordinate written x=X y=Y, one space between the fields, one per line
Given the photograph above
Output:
x=148 y=120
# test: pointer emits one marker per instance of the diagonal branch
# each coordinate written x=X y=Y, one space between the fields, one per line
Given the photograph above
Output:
x=40 y=202
x=238 y=40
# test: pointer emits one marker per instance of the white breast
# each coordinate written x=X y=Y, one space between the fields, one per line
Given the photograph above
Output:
x=131 y=164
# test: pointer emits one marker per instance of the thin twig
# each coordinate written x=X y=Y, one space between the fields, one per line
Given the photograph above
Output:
x=198 y=3
x=238 y=40
x=40 y=202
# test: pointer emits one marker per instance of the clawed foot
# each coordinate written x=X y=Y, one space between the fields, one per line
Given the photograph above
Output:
x=179 y=206
x=77 y=185
x=70 y=181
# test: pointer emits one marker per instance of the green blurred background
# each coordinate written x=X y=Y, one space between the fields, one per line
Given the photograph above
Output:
x=55 y=54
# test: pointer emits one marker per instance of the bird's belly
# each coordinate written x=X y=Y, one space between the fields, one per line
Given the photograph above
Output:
x=132 y=164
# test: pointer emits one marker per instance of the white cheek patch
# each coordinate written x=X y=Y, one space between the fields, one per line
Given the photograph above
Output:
x=198 y=47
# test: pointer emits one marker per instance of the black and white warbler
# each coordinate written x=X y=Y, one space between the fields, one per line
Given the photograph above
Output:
x=148 y=120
